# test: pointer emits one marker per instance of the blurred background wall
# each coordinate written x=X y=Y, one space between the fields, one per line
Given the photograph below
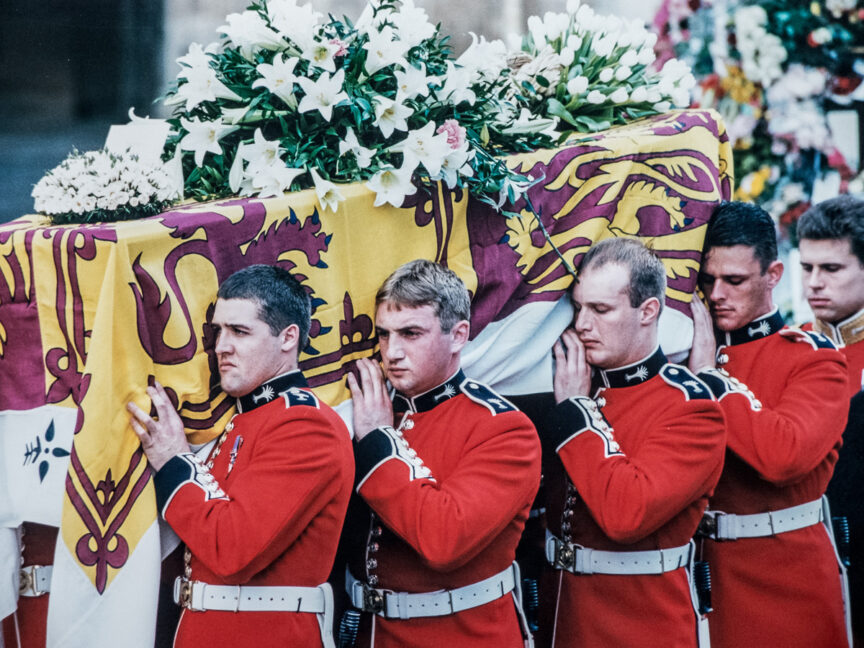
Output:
x=71 y=68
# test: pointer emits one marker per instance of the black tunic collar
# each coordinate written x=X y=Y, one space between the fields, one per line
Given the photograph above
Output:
x=759 y=328
x=269 y=390
x=632 y=374
x=427 y=400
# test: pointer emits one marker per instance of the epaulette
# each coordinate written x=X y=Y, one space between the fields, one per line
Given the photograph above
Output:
x=814 y=339
x=486 y=396
x=683 y=379
x=297 y=396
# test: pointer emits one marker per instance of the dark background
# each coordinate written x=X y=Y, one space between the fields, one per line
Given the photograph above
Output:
x=68 y=70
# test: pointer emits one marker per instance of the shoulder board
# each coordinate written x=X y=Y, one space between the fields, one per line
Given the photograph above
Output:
x=297 y=396
x=486 y=396
x=814 y=339
x=681 y=378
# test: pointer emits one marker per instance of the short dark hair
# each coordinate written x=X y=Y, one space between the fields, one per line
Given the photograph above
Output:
x=282 y=300
x=647 y=272
x=740 y=223
x=837 y=218
x=425 y=283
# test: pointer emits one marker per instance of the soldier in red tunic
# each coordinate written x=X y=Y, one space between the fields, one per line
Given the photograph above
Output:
x=776 y=579
x=640 y=447
x=831 y=244
x=261 y=518
x=448 y=481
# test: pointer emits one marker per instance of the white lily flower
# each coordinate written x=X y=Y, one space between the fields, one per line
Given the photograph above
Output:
x=537 y=30
x=272 y=180
x=639 y=95
x=555 y=24
x=261 y=151
x=596 y=97
x=201 y=85
x=236 y=175
x=278 y=78
x=322 y=94
x=391 y=185
x=646 y=56
x=619 y=96
x=457 y=86
x=454 y=165
x=196 y=57
x=391 y=115
x=370 y=21
x=603 y=45
x=362 y=154
x=424 y=146
x=577 y=85
x=410 y=83
x=298 y=23
x=623 y=73
x=249 y=32
x=322 y=54
x=412 y=24
x=484 y=58
x=327 y=192
x=203 y=137
x=384 y=49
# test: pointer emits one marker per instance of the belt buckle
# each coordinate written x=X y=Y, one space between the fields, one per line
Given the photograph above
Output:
x=708 y=526
x=28 y=585
x=564 y=555
x=373 y=600
x=185 y=596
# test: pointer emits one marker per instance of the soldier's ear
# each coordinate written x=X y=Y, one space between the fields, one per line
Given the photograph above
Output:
x=459 y=335
x=289 y=337
x=649 y=310
x=774 y=272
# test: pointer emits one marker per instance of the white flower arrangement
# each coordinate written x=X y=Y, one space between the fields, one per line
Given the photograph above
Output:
x=104 y=186
x=287 y=100
x=592 y=71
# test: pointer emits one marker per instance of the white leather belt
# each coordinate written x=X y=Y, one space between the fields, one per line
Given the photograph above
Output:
x=581 y=560
x=718 y=525
x=404 y=605
x=35 y=580
x=198 y=596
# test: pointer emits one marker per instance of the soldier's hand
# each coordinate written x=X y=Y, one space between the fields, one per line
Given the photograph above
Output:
x=572 y=371
x=702 y=353
x=372 y=406
x=163 y=437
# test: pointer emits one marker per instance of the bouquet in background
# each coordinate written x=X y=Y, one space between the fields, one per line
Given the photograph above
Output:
x=102 y=186
x=593 y=71
x=771 y=68
x=287 y=101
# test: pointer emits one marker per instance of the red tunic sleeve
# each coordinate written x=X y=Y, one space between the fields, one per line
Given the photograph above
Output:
x=632 y=495
x=448 y=523
x=786 y=442
x=293 y=472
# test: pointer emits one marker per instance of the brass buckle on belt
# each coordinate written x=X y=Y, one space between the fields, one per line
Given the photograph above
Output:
x=373 y=601
x=707 y=526
x=28 y=584
x=185 y=597
x=564 y=555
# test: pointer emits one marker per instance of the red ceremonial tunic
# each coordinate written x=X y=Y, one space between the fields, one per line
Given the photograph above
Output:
x=848 y=335
x=783 y=436
x=274 y=518
x=641 y=486
x=448 y=517
x=845 y=488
